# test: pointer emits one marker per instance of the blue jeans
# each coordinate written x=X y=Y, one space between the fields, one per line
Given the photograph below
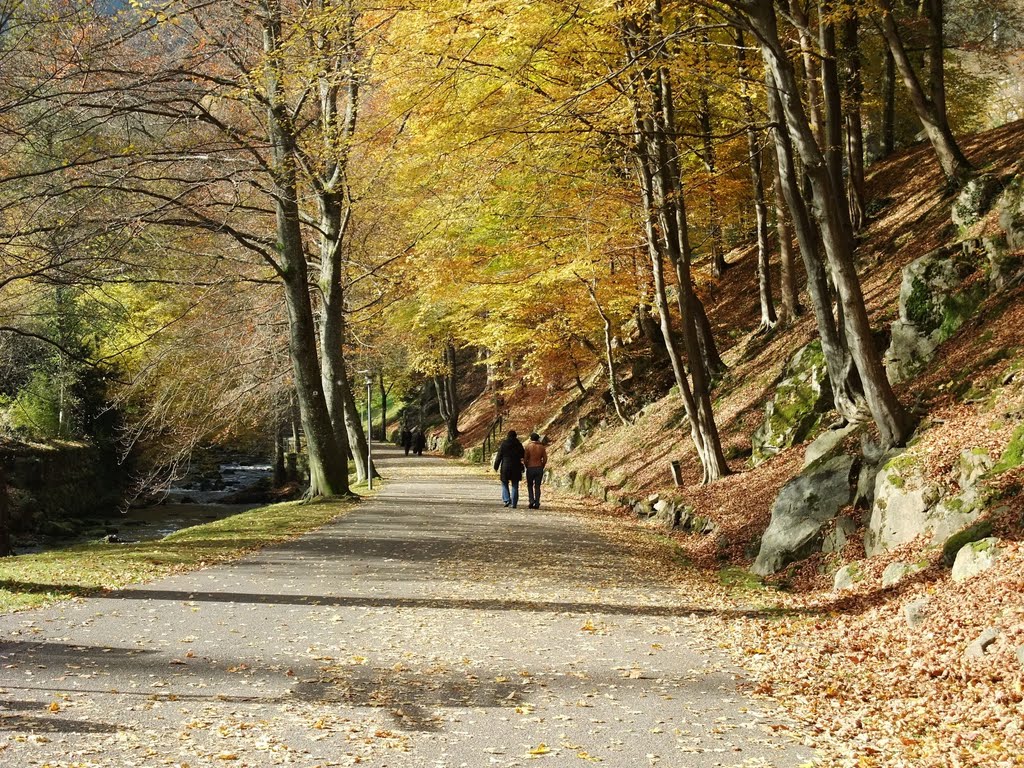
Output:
x=513 y=497
x=533 y=477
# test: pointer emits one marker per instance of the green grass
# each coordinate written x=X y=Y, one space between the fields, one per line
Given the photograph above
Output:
x=28 y=581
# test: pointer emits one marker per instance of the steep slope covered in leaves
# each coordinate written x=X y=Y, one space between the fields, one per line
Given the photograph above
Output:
x=882 y=690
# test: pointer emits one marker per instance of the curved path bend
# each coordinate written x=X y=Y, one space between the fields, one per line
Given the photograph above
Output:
x=429 y=627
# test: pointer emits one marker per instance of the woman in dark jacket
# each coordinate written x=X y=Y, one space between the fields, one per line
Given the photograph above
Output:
x=509 y=463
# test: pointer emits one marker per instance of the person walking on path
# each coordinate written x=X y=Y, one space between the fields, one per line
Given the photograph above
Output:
x=419 y=441
x=407 y=439
x=535 y=456
x=509 y=463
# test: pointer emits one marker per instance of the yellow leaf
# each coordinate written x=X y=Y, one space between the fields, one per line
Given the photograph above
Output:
x=55 y=707
x=540 y=749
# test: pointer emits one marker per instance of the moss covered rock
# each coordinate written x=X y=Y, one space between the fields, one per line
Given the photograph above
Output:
x=803 y=508
x=933 y=306
x=802 y=397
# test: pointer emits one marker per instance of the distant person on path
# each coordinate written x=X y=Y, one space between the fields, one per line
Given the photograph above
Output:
x=509 y=463
x=419 y=441
x=535 y=456
x=407 y=439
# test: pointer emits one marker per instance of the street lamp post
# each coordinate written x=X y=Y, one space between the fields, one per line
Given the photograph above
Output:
x=369 y=431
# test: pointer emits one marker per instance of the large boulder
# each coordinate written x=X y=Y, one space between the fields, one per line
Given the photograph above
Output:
x=802 y=396
x=907 y=505
x=974 y=558
x=903 y=501
x=801 y=510
x=933 y=305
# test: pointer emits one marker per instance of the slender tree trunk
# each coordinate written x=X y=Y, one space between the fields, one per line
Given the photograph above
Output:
x=383 y=406
x=451 y=391
x=5 y=517
x=332 y=319
x=705 y=119
x=356 y=434
x=936 y=12
x=808 y=59
x=831 y=98
x=889 y=105
x=893 y=422
x=933 y=119
x=789 y=293
x=279 y=468
x=665 y=221
x=764 y=284
x=327 y=464
x=613 y=379
x=854 y=127
x=846 y=393
x=295 y=422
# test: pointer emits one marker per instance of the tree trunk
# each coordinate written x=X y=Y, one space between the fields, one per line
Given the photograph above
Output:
x=933 y=118
x=451 y=392
x=327 y=465
x=383 y=406
x=295 y=422
x=936 y=12
x=613 y=380
x=764 y=284
x=846 y=394
x=889 y=105
x=705 y=120
x=658 y=174
x=789 y=294
x=831 y=98
x=808 y=58
x=356 y=434
x=332 y=320
x=892 y=421
x=856 y=196
x=5 y=517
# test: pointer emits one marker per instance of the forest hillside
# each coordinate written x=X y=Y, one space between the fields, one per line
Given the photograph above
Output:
x=947 y=648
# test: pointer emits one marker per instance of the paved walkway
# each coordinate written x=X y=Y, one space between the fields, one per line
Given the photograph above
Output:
x=430 y=627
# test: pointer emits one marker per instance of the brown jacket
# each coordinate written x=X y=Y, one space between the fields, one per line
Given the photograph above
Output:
x=536 y=455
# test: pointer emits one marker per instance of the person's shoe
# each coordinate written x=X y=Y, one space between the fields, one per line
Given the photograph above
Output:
x=508 y=503
x=514 y=506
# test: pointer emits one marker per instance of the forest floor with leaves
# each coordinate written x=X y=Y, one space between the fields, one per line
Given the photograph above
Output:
x=430 y=626
x=847 y=665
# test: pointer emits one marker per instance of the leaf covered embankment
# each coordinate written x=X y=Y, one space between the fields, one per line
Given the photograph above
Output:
x=876 y=686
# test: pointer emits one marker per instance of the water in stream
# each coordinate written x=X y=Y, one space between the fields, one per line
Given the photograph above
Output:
x=192 y=502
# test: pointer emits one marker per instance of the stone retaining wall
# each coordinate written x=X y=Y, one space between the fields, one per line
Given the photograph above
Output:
x=50 y=487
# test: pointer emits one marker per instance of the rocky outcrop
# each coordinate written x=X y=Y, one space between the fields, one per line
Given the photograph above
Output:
x=896 y=572
x=801 y=510
x=933 y=305
x=907 y=504
x=903 y=500
x=980 y=646
x=802 y=397
x=847 y=577
x=975 y=200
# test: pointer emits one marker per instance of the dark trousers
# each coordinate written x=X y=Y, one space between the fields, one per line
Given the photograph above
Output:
x=533 y=477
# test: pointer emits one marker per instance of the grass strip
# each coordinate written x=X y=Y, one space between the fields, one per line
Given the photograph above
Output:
x=28 y=581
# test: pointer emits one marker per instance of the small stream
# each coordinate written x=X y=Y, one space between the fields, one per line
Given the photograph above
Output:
x=192 y=502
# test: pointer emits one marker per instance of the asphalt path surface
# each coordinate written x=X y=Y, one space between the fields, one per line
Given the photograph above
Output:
x=431 y=627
